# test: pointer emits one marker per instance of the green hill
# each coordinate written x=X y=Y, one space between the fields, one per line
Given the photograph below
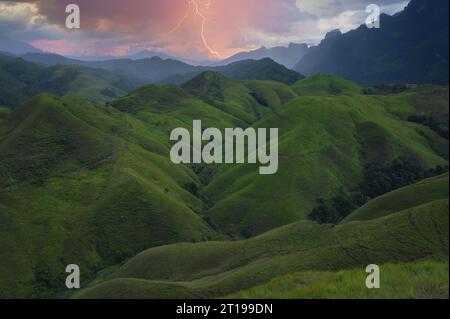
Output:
x=79 y=183
x=216 y=100
x=319 y=84
x=220 y=268
x=421 y=193
x=324 y=145
x=92 y=183
x=264 y=69
x=245 y=100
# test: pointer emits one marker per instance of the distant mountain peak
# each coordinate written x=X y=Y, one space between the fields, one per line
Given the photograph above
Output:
x=284 y=55
x=205 y=81
x=147 y=54
x=333 y=34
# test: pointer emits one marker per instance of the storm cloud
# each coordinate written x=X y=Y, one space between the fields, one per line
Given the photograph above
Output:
x=195 y=29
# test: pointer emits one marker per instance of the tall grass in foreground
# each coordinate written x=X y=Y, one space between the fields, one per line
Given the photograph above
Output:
x=421 y=280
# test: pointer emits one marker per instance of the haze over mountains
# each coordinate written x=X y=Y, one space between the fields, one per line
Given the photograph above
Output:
x=21 y=79
x=159 y=70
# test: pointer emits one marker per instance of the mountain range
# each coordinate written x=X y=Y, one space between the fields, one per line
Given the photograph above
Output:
x=287 y=56
x=409 y=47
x=21 y=79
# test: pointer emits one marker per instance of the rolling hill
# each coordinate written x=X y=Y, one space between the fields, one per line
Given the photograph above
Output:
x=221 y=268
x=85 y=183
x=363 y=152
x=325 y=85
x=426 y=191
x=325 y=144
x=20 y=80
x=93 y=183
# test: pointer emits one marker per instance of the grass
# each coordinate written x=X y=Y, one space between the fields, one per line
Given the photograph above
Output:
x=419 y=280
x=77 y=186
x=245 y=100
x=264 y=69
x=217 y=269
x=324 y=144
x=325 y=85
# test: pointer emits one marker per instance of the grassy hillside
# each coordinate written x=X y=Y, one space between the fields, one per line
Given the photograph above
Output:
x=79 y=184
x=421 y=280
x=216 y=100
x=220 y=268
x=325 y=143
x=93 y=184
x=264 y=69
x=320 y=84
x=421 y=193
x=245 y=100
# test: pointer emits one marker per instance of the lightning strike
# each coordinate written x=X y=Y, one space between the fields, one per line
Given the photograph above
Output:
x=180 y=23
x=194 y=7
x=202 y=33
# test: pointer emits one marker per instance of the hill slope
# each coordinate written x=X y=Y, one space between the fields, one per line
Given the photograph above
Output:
x=215 y=99
x=84 y=183
x=263 y=69
x=94 y=183
x=426 y=191
x=421 y=280
x=325 y=144
x=218 y=269
x=325 y=85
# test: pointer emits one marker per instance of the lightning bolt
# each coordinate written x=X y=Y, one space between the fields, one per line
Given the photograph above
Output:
x=192 y=4
x=180 y=23
x=203 y=24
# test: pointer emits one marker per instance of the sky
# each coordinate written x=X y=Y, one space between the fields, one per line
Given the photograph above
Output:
x=192 y=29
